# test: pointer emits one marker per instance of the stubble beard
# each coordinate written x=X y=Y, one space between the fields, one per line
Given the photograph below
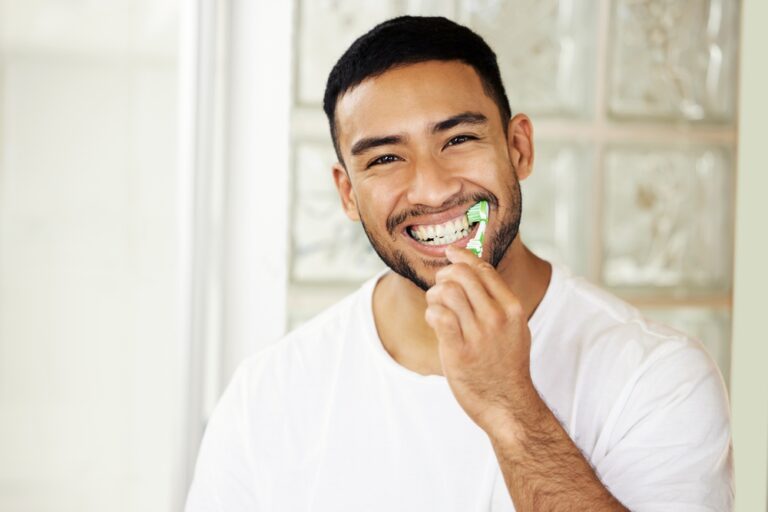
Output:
x=497 y=247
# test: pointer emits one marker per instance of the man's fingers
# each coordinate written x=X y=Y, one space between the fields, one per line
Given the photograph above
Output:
x=495 y=286
x=445 y=323
x=451 y=295
x=479 y=299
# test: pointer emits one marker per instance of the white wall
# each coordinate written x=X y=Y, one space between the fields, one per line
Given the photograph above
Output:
x=89 y=244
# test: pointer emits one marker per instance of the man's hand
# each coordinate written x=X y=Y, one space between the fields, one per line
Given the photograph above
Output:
x=484 y=341
x=484 y=345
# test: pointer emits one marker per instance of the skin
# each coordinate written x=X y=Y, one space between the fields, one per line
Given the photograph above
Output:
x=472 y=324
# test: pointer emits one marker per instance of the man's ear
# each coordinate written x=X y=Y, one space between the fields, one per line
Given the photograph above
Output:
x=520 y=144
x=346 y=194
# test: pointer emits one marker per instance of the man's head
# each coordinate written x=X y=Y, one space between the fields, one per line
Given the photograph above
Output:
x=422 y=128
x=409 y=40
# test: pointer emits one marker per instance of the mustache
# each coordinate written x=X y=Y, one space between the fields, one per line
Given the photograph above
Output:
x=396 y=219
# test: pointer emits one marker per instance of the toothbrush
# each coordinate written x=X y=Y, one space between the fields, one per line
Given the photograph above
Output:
x=478 y=213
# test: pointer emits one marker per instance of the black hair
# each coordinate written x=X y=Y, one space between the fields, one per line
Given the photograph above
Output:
x=409 y=40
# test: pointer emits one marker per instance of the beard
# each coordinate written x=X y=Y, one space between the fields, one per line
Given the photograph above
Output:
x=496 y=246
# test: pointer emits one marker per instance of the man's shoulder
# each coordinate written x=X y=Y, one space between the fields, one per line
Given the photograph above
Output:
x=311 y=348
x=589 y=305
x=603 y=366
x=608 y=330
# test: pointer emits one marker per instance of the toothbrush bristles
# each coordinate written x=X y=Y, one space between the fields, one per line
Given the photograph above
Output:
x=478 y=212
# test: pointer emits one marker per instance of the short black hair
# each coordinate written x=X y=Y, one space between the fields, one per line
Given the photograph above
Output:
x=408 y=40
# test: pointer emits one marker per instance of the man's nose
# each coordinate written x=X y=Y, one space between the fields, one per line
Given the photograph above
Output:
x=432 y=183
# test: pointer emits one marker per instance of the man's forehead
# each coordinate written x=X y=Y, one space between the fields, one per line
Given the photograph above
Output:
x=425 y=93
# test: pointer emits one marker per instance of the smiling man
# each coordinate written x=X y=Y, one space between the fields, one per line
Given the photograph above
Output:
x=452 y=382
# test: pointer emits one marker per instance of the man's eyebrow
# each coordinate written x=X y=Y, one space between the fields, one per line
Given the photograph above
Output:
x=463 y=118
x=363 y=145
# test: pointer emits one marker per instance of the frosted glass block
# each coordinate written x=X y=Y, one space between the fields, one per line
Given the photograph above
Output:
x=674 y=59
x=327 y=246
x=711 y=326
x=327 y=28
x=557 y=198
x=667 y=218
x=545 y=50
x=446 y=8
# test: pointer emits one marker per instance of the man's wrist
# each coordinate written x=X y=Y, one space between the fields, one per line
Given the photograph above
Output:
x=517 y=423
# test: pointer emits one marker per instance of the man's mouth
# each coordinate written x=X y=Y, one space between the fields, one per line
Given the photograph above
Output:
x=441 y=234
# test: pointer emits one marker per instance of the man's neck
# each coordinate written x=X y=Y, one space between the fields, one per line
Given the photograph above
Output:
x=399 y=305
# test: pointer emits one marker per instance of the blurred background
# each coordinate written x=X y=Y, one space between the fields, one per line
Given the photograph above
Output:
x=167 y=208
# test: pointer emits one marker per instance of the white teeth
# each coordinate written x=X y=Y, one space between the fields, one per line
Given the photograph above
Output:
x=442 y=234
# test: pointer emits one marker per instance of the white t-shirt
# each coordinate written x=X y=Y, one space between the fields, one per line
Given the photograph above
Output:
x=327 y=420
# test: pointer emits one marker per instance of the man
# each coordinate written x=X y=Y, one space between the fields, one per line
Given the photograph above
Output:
x=454 y=382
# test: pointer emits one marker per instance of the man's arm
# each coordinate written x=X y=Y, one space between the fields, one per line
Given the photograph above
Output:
x=542 y=467
x=484 y=345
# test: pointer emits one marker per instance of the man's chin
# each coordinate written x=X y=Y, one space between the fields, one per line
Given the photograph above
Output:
x=424 y=278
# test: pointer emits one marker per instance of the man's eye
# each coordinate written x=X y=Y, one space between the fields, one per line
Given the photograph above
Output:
x=459 y=139
x=384 y=159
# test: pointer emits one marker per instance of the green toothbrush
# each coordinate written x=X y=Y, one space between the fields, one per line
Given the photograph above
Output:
x=478 y=213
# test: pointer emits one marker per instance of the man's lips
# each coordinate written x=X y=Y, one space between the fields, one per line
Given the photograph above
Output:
x=438 y=218
x=438 y=250
x=425 y=236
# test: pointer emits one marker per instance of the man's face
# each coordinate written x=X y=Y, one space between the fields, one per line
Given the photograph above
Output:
x=423 y=143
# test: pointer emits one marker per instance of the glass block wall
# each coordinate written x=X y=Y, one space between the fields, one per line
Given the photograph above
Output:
x=633 y=105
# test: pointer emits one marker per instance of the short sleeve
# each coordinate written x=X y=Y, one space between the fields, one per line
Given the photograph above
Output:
x=670 y=447
x=223 y=473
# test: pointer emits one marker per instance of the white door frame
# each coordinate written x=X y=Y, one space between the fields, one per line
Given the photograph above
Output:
x=233 y=167
x=749 y=356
